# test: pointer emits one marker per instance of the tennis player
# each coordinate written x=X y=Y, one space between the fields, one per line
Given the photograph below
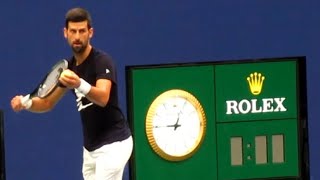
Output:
x=91 y=76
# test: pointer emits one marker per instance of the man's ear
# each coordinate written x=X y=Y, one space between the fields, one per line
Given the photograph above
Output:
x=91 y=32
x=65 y=32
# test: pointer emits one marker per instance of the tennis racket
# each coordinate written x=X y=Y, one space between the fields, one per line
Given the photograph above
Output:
x=48 y=84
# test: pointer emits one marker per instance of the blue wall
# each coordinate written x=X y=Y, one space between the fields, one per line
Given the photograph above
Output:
x=49 y=146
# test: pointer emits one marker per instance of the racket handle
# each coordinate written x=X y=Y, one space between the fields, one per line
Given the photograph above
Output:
x=26 y=101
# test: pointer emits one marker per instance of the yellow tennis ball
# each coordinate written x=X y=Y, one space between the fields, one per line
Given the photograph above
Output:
x=66 y=74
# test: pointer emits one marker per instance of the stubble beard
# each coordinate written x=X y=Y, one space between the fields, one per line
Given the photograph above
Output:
x=79 y=49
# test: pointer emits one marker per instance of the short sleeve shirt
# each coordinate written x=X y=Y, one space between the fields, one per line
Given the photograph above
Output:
x=101 y=125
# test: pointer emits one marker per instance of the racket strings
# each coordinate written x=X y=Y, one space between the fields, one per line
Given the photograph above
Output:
x=51 y=80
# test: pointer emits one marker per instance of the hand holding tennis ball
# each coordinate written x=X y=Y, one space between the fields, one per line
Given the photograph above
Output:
x=69 y=79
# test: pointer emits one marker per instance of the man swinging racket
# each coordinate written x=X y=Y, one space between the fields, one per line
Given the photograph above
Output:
x=91 y=75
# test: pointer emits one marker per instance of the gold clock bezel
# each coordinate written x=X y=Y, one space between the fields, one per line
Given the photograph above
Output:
x=149 y=123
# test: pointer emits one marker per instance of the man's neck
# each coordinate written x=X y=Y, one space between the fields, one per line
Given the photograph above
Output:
x=80 y=57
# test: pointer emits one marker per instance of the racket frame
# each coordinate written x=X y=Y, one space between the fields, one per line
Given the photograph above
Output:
x=27 y=99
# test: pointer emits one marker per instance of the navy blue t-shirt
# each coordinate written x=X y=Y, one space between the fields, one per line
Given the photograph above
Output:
x=101 y=125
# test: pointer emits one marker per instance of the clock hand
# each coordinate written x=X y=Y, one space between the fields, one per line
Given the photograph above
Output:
x=159 y=126
x=173 y=125
x=176 y=125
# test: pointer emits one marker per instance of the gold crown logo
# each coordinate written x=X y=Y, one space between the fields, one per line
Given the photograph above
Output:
x=255 y=81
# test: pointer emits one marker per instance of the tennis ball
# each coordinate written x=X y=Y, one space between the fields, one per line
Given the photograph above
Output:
x=66 y=74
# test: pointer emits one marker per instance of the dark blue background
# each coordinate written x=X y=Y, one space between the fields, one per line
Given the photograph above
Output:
x=49 y=146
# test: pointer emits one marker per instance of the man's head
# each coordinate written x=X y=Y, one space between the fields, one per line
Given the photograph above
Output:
x=78 y=29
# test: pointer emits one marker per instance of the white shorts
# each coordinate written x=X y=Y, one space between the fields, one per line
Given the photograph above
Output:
x=107 y=162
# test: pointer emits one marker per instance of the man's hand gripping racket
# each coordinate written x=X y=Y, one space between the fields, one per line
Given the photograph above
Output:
x=47 y=85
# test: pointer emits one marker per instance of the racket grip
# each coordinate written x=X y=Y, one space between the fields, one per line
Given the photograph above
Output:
x=26 y=101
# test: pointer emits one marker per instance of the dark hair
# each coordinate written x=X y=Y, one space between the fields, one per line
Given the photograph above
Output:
x=78 y=15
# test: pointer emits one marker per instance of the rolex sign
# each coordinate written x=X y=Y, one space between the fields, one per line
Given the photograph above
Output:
x=256 y=91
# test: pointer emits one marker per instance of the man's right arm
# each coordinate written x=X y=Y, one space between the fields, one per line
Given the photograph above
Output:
x=39 y=105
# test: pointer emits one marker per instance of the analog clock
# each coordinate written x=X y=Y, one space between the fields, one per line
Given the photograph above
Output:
x=175 y=125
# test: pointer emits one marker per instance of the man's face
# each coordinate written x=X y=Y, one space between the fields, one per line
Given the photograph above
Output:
x=78 y=35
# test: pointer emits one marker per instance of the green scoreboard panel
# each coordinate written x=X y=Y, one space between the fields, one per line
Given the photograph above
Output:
x=234 y=120
x=257 y=120
x=258 y=149
x=148 y=84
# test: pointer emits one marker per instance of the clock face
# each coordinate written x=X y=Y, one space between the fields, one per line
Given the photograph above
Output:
x=175 y=125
